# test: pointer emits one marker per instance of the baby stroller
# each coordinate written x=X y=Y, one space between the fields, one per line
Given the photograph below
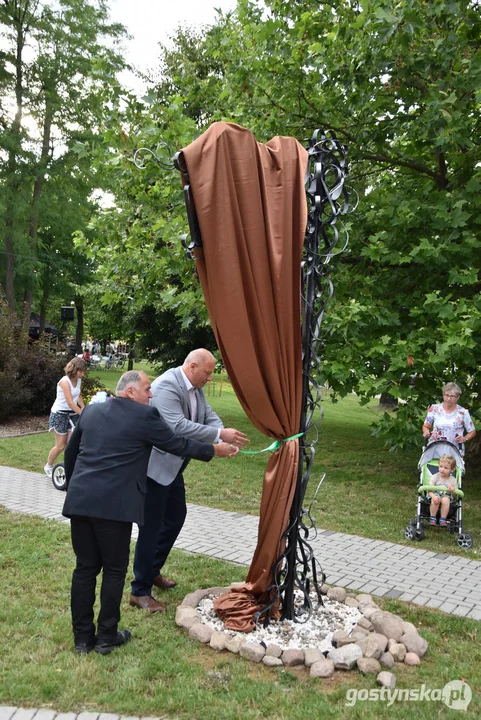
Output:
x=428 y=466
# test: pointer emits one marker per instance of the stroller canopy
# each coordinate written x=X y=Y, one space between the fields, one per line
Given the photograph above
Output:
x=442 y=447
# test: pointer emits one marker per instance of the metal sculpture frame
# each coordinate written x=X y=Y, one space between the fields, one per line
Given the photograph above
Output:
x=296 y=575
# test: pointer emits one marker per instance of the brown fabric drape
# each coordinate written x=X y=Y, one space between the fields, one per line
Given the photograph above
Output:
x=251 y=206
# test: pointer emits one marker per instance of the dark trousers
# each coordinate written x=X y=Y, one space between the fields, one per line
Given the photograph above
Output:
x=164 y=517
x=98 y=545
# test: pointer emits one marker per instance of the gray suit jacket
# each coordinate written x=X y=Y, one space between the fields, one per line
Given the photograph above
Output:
x=171 y=398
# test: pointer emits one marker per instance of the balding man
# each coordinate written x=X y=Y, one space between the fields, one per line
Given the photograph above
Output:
x=179 y=398
x=106 y=464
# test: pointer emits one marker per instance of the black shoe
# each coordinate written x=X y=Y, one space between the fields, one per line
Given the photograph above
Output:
x=104 y=648
x=82 y=648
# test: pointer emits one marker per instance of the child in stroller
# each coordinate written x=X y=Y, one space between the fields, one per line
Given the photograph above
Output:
x=429 y=470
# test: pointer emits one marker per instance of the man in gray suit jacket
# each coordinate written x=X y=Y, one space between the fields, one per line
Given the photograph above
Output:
x=179 y=398
x=105 y=463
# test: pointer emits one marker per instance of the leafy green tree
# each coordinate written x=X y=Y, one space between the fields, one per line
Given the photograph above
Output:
x=71 y=81
x=400 y=83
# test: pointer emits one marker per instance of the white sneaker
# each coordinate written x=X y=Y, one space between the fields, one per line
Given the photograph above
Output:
x=48 y=470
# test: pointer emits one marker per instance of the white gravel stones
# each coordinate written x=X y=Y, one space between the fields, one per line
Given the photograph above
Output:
x=290 y=635
x=352 y=633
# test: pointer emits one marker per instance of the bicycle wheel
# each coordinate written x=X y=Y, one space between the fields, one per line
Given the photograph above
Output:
x=58 y=477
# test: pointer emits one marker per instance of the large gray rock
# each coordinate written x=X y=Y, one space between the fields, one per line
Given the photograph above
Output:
x=291 y=658
x=386 y=679
x=369 y=610
x=369 y=665
x=398 y=651
x=218 y=640
x=340 y=638
x=252 y=651
x=359 y=629
x=234 y=643
x=365 y=623
x=274 y=650
x=373 y=645
x=272 y=661
x=337 y=593
x=186 y=616
x=412 y=659
x=387 y=660
x=364 y=597
x=415 y=643
x=345 y=658
x=312 y=655
x=201 y=632
x=322 y=668
x=408 y=627
x=388 y=625
x=351 y=602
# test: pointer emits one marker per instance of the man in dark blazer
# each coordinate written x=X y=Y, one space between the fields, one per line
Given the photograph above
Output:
x=105 y=465
x=178 y=396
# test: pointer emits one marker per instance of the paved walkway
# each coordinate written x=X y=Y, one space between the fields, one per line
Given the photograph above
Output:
x=13 y=713
x=451 y=583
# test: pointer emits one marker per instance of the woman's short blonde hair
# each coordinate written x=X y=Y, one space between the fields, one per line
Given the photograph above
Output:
x=452 y=388
x=72 y=367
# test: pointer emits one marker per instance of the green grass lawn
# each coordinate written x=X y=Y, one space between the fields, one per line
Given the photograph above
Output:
x=367 y=490
x=162 y=673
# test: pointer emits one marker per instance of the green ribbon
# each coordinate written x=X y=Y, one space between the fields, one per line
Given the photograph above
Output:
x=273 y=446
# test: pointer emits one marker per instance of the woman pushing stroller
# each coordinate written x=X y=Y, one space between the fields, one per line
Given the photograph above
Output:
x=448 y=420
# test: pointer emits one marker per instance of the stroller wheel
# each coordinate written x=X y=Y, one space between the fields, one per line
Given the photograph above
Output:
x=409 y=532
x=58 y=477
x=419 y=533
x=465 y=540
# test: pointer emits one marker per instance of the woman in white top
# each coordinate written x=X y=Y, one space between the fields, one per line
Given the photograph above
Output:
x=66 y=409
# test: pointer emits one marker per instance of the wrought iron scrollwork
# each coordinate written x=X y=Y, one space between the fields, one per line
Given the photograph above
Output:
x=297 y=572
x=158 y=155
x=193 y=246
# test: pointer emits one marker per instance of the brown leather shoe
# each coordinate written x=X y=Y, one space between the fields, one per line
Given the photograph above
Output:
x=146 y=602
x=163 y=583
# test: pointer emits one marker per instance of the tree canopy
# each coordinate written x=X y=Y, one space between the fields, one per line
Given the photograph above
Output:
x=400 y=83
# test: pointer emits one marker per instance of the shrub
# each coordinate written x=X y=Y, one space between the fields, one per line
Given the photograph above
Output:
x=28 y=371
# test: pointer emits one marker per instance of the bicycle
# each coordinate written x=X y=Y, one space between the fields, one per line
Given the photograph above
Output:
x=58 y=477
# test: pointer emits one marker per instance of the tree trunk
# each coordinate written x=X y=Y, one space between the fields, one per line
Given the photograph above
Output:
x=79 y=332
x=387 y=401
x=37 y=190
x=13 y=181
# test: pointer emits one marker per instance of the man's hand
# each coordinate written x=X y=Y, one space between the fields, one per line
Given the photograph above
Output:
x=231 y=435
x=225 y=450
